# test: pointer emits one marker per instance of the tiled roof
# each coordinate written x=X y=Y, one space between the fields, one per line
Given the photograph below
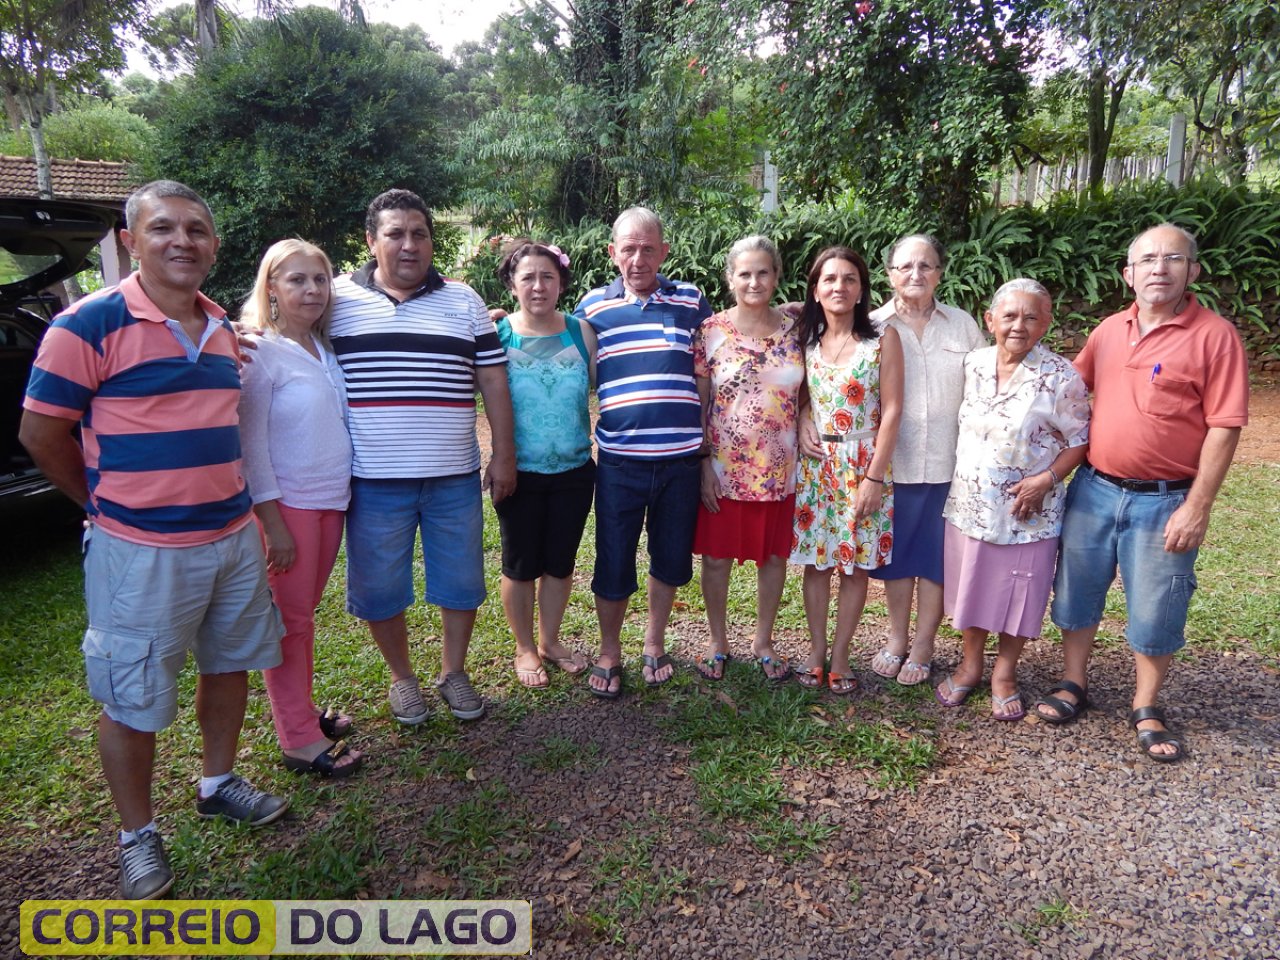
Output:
x=99 y=180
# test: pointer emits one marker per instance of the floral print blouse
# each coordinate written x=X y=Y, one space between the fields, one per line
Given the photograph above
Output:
x=1011 y=434
x=755 y=391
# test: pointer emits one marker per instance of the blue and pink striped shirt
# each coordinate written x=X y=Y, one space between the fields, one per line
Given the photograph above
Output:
x=644 y=367
x=158 y=419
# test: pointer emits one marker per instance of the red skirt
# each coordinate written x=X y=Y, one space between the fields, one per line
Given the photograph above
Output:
x=746 y=529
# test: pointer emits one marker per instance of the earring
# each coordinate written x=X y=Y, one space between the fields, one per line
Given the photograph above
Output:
x=275 y=308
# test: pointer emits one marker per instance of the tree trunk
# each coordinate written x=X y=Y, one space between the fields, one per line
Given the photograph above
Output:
x=33 y=114
x=207 y=25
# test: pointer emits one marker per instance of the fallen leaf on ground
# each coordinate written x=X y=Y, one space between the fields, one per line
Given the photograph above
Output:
x=571 y=851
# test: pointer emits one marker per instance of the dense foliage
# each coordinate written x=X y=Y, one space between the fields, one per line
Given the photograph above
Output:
x=292 y=128
x=1074 y=246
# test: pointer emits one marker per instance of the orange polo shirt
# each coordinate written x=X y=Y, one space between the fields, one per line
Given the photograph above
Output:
x=1155 y=397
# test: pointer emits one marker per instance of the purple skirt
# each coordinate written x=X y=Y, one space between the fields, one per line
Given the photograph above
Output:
x=1000 y=588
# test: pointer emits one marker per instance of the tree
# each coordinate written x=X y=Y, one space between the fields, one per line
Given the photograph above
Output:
x=92 y=129
x=911 y=101
x=1225 y=62
x=46 y=45
x=292 y=128
x=1116 y=43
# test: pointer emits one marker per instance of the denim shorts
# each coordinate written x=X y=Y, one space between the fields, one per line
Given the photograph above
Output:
x=659 y=496
x=148 y=606
x=1107 y=527
x=383 y=521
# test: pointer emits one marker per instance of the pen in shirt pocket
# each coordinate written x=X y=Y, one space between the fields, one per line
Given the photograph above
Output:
x=1154 y=371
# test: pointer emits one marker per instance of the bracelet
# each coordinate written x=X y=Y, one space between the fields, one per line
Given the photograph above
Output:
x=873 y=479
x=1056 y=479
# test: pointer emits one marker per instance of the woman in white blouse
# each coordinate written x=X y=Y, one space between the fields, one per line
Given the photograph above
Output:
x=1024 y=425
x=935 y=339
x=297 y=462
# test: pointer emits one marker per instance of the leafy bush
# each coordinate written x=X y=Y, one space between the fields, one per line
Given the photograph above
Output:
x=1076 y=247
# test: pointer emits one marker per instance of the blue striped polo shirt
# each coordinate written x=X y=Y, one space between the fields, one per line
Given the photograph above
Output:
x=644 y=367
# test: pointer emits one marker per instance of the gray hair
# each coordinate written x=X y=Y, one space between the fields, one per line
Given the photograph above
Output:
x=928 y=238
x=1021 y=285
x=160 y=190
x=642 y=216
x=1193 y=248
x=752 y=244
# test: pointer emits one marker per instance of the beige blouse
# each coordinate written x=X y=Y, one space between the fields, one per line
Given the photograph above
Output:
x=933 y=385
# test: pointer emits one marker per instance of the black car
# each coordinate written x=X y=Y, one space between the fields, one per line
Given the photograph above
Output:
x=42 y=242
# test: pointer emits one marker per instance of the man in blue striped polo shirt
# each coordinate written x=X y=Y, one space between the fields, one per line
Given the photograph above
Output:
x=649 y=440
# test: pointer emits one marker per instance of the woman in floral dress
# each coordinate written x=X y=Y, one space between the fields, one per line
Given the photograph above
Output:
x=750 y=367
x=844 y=494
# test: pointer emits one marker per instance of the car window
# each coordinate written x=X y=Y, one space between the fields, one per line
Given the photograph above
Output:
x=19 y=266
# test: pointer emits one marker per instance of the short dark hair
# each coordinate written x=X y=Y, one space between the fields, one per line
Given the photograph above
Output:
x=522 y=247
x=395 y=199
x=813 y=319
x=159 y=190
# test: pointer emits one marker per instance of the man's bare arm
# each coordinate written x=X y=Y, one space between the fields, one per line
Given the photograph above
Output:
x=1186 y=528
x=52 y=445
x=500 y=475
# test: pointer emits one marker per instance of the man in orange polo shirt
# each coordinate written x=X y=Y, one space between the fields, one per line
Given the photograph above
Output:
x=1170 y=384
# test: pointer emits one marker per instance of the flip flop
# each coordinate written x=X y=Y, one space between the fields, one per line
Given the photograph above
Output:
x=912 y=665
x=1065 y=711
x=1004 y=702
x=841 y=684
x=707 y=667
x=607 y=674
x=655 y=664
x=958 y=695
x=886 y=664
x=535 y=679
x=325 y=764
x=1150 y=738
x=811 y=677
x=774 y=679
x=573 y=664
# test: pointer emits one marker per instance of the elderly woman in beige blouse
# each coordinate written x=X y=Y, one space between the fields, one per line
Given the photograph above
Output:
x=935 y=339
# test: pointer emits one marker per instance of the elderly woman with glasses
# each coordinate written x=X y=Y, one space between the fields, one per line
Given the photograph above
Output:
x=935 y=339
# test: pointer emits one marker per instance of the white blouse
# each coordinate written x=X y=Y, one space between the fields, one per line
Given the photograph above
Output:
x=933 y=382
x=293 y=426
x=1006 y=436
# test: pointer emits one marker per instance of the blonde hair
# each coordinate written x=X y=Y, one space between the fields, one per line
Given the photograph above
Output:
x=256 y=311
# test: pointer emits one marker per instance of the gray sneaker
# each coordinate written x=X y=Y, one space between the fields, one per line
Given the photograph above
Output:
x=145 y=873
x=241 y=802
x=407 y=704
x=463 y=701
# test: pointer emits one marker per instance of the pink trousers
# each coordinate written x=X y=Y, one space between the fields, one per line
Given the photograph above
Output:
x=297 y=592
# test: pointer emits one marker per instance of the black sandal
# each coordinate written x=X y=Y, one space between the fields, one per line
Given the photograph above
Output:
x=657 y=663
x=334 y=725
x=1150 y=738
x=1066 y=710
x=325 y=763
x=607 y=674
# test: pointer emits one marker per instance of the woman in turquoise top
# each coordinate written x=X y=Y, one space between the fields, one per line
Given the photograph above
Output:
x=551 y=360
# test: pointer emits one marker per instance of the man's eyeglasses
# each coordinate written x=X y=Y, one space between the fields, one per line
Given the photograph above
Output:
x=1170 y=260
x=906 y=269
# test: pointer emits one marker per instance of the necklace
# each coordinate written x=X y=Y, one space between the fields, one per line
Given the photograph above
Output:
x=848 y=338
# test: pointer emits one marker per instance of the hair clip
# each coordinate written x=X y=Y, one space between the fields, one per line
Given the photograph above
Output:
x=560 y=254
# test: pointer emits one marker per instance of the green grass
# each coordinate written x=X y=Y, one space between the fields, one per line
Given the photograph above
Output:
x=746 y=742
x=1057 y=913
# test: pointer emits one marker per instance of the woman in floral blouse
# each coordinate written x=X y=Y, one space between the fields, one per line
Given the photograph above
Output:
x=1024 y=425
x=749 y=367
x=844 y=494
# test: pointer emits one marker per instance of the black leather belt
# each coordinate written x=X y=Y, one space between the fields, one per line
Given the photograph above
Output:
x=1143 y=486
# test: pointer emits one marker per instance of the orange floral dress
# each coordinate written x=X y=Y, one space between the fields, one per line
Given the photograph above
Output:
x=844 y=401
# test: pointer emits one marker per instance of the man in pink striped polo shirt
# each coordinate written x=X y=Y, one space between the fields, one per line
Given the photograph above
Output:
x=149 y=374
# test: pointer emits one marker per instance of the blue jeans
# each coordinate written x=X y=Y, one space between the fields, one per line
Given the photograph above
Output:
x=382 y=524
x=660 y=496
x=1106 y=527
